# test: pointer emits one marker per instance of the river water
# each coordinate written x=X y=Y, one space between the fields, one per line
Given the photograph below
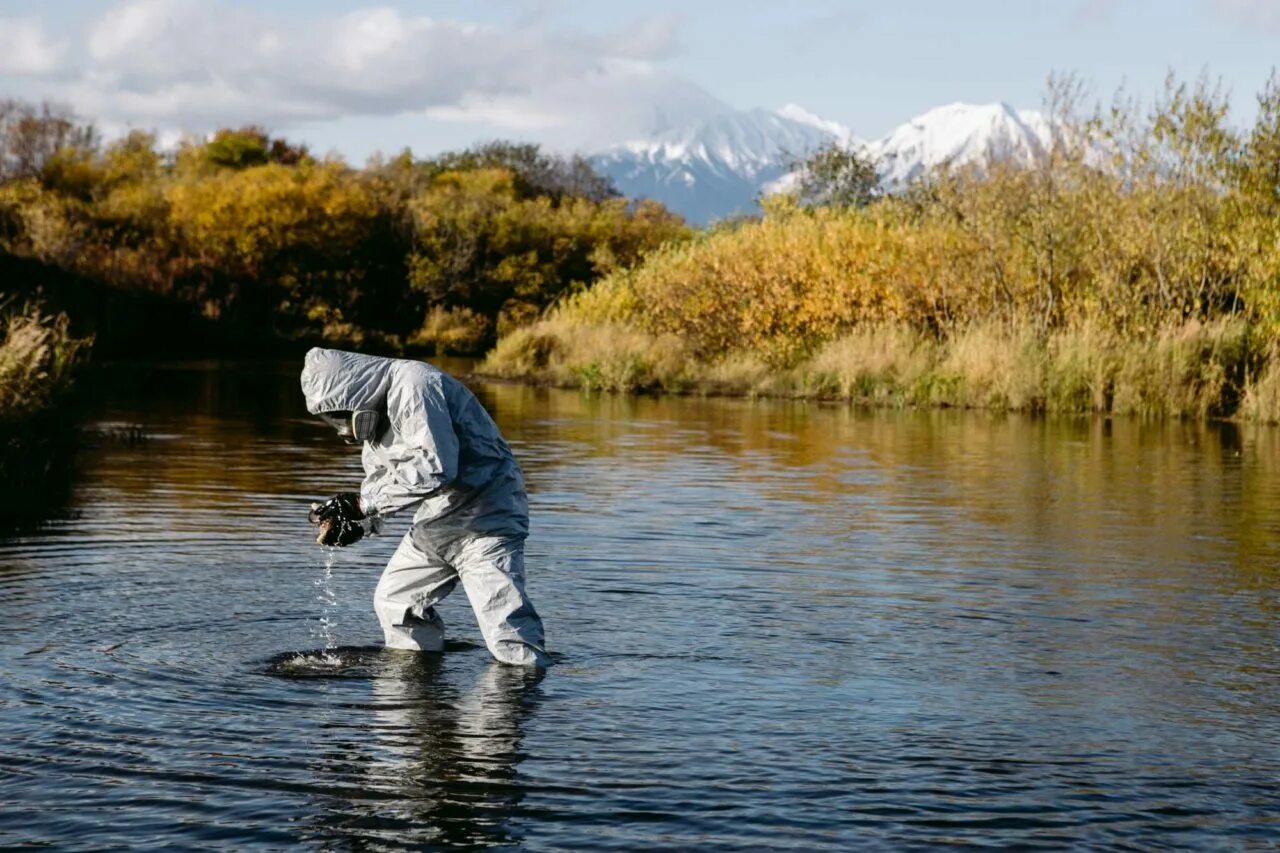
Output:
x=775 y=624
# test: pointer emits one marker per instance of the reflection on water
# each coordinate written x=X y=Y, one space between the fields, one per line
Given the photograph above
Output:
x=434 y=757
x=444 y=760
x=777 y=624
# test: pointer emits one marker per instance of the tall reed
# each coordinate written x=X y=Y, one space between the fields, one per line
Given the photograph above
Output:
x=38 y=357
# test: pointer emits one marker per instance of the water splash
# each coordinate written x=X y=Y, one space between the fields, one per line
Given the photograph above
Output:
x=323 y=630
x=310 y=662
x=328 y=599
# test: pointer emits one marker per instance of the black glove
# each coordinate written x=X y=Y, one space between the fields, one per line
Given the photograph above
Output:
x=340 y=519
x=343 y=505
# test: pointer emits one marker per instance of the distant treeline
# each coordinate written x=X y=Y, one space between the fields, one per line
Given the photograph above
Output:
x=1134 y=266
x=262 y=240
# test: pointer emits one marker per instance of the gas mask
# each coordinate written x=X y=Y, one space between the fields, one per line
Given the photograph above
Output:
x=354 y=427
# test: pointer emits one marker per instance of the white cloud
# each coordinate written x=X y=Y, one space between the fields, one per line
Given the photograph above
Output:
x=203 y=63
x=130 y=24
x=516 y=113
x=26 y=49
x=651 y=38
x=622 y=99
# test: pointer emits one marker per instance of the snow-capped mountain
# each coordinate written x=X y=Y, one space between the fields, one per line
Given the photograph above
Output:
x=717 y=166
x=720 y=165
x=957 y=133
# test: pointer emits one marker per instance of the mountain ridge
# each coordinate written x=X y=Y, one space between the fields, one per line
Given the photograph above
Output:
x=715 y=167
x=718 y=166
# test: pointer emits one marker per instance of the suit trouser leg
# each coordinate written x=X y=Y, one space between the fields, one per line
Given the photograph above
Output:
x=414 y=581
x=492 y=573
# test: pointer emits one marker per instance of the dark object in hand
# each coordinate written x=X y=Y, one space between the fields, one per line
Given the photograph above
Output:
x=339 y=520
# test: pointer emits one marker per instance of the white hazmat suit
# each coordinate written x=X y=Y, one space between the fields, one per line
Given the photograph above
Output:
x=438 y=450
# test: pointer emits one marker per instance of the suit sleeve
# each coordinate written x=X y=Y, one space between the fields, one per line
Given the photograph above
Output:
x=424 y=457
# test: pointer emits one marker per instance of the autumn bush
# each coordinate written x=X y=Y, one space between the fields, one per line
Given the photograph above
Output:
x=1132 y=229
x=479 y=243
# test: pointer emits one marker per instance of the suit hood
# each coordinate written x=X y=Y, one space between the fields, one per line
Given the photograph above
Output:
x=335 y=380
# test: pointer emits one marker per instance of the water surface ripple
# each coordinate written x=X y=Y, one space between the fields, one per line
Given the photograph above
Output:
x=777 y=625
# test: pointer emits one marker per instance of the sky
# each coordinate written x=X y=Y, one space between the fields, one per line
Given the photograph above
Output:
x=356 y=77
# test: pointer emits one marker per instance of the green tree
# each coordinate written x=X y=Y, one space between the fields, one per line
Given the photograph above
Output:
x=31 y=135
x=535 y=173
x=837 y=176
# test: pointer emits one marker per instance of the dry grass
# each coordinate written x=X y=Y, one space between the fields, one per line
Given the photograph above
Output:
x=1196 y=369
x=879 y=365
x=1190 y=370
x=1261 y=400
x=605 y=356
x=988 y=367
x=37 y=357
x=1083 y=372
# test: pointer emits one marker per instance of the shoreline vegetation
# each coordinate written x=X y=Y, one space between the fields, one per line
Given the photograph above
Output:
x=39 y=358
x=1131 y=266
x=1195 y=370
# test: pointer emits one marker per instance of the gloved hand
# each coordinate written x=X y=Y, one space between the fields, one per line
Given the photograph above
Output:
x=340 y=519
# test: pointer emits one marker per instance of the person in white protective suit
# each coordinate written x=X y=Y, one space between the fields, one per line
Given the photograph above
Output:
x=428 y=443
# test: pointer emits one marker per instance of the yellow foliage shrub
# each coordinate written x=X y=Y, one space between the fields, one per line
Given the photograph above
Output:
x=237 y=219
x=778 y=287
x=452 y=330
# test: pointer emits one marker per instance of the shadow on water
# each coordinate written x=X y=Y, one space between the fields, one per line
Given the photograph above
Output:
x=37 y=472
